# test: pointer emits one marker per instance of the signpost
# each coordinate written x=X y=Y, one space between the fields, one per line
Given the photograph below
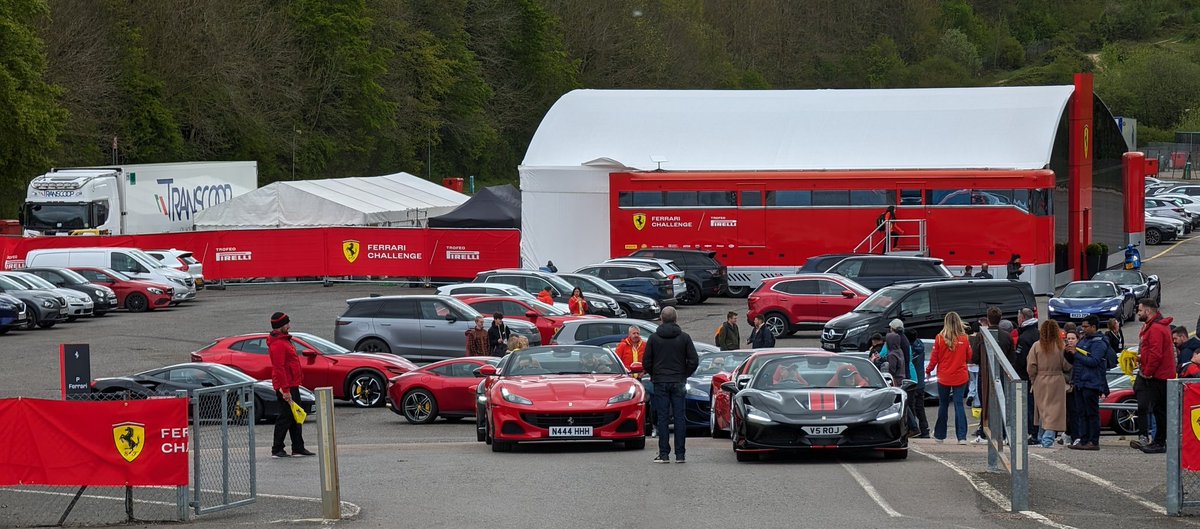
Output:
x=75 y=362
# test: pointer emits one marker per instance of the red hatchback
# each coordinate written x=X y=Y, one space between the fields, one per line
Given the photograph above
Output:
x=547 y=318
x=441 y=389
x=360 y=378
x=133 y=294
x=791 y=302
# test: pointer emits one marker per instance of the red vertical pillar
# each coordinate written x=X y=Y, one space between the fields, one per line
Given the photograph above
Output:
x=1133 y=169
x=1079 y=172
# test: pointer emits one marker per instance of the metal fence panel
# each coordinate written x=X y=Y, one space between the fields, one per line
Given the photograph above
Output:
x=222 y=440
x=1007 y=417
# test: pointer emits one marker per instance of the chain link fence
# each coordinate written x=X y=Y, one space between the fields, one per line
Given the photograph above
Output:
x=223 y=467
x=41 y=506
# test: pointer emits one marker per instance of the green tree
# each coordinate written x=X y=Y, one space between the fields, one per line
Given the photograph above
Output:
x=1154 y=85
x=956 y=46
x=148 y=131
x=32 y=119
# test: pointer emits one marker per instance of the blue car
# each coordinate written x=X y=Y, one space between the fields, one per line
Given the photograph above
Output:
x=698 y=392
x=1102 y=299
x=12 y=313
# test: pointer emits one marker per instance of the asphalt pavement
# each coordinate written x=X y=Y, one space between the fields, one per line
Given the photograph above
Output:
x=394 y=474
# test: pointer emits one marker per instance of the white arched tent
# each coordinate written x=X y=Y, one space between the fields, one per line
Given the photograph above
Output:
x=588 y=134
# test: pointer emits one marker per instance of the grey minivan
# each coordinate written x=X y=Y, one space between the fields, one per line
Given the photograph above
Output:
x=419 y=328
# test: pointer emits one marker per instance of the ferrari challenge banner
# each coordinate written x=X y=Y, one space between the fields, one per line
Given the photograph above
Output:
x=53 y=442
x=1190 y=457
x=313 y=252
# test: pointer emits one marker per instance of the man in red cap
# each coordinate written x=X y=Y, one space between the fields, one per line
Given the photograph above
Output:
x=286 y=376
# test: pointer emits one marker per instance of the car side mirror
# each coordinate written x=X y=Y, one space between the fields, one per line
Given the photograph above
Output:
x=636 y=367
x=730 y=387
x=531 y=314
x=486 y=371
x=908 y=384
x=906 y=314
x=742 y=382
x=887 y=377
x=1153 y=278
x=450 y=318
x=848 y=294
x=308 y=352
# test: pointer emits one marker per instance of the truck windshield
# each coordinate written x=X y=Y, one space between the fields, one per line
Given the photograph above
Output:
x=64 y=216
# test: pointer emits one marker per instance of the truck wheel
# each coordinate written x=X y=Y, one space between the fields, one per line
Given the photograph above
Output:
x=136 y=302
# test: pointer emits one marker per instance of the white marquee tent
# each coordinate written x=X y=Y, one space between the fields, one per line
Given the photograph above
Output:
x=399 y=199
x=588 y=134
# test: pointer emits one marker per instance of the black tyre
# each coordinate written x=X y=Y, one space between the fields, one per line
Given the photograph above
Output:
x=1123 y=421
x=99 y=313
x=419 y=407
x=373 y=345
x=691 y=295
x=4 y=329
x=778 y=324
x=366 y=389
x=46 y=324
x=636 y=444
x=896 y=454
x=480 y=427
x=136 y=302
x=1153 y=236
x=260 y=410
x=33 y=318
x=744 y=457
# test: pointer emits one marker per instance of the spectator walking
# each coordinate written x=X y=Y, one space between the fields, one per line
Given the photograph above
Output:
x=983 y=272
x=577 y=303
x=670 y=359
x=951 y=350
x=498 y=335
x=761 y=336
x=1014 y=267
x=918 y=421
x=1185 y=347
x=1157 y=367
x=1090 y=383
x=728 y=336
x=1071 y=340
x=1027 y=335
x=477 y=339
x=545 y=296
x=286 y=377
x=1048 y=369
x=632 y=349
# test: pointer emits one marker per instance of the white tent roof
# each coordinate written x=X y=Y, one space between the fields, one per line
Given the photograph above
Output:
x=932 y=128
x=399 y=199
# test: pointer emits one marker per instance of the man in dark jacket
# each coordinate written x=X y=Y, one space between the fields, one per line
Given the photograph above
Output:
x=990 y=324
x=286 y=376
x=761 y=336
x=983 y=272
x=1185 y=347
x=670 y=359
x=1157 y=366
x=918 y=422
x=897 y=356
x=1089 y=382
x=1027 y=335
x=498 y=335
x=728 y=336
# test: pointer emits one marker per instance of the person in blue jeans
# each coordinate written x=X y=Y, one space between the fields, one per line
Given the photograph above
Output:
x=669 y=360
x=951 y=351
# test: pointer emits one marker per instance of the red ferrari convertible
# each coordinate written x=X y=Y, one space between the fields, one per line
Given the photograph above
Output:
x=563 y=393
x=360 y=378
x=442 y=389
x=719 y=416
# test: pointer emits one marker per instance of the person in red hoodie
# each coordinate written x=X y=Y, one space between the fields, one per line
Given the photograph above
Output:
x=951 y=351
x=1156 y=354
x=286 y=376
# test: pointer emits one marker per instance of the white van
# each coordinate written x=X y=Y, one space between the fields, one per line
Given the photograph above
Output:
x=130 y=261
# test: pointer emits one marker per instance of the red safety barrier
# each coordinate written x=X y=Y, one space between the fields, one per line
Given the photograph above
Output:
x=1190 y=459
x=313 y=252
x=69 y=443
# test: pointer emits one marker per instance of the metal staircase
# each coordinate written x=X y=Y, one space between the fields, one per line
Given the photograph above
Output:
x=909 y=238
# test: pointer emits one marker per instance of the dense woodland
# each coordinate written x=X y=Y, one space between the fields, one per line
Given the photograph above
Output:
x=457 y=87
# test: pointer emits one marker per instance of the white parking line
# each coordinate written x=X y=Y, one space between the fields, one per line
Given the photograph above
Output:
x=870 y=489
x=1158 y=509
x=993 y=495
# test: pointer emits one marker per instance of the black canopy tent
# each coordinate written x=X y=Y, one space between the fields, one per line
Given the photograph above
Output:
x=491 y=207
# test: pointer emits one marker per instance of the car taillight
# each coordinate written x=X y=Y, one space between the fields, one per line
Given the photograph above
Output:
x=672 y=277
x=196 y=358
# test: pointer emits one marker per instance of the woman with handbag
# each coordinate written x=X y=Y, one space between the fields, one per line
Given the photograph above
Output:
x=1047 y=366
x=951 y=351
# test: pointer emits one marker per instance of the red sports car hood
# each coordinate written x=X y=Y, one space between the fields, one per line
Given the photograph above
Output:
x=568 y=391
x=391 y=360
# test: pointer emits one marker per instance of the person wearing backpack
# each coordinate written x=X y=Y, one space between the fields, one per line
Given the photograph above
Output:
x=728 y=337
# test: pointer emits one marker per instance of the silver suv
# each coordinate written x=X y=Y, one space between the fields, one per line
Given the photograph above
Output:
x=419 y=328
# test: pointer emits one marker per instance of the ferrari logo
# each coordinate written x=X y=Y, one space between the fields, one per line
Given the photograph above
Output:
x=350 y=250
x=129 y=438
x=1195 y=421
x=1086 y=142
x=639 y=221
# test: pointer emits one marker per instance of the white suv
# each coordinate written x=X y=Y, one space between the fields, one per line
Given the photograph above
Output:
x=181 y=260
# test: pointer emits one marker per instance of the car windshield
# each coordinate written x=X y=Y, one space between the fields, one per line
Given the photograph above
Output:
x=73 y=277
x=1089 y=290
x=147 y=261
x=816 y=371
x=7 y=283
x=1120 y=277
x=881 y=300
x=713 y=363
x=326 y=347
x=599 y=284
x=563 y=360
x=546 y=310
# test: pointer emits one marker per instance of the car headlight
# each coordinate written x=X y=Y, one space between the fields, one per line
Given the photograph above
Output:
x=153 y=290
x=624 y=396
x=100 y=293
x=858 y=329
x=47 y=303
x=513 y=397
x=756 y=415
x=695 y=391
x=893 y=412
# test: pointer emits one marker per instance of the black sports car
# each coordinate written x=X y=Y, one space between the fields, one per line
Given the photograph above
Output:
x=817 y=401
x=196 y=375
x=1142 y=285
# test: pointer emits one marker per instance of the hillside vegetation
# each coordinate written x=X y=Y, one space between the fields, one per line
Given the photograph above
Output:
x=332 y=88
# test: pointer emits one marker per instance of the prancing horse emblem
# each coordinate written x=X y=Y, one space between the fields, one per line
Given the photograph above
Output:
x=570 y=421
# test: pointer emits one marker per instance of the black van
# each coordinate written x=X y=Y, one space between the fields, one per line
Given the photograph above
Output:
x=922 y=307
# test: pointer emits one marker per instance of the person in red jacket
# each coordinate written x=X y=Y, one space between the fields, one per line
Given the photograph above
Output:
x=632 y=348
x=1156 y=354
x=286 y=376
x=951 y=351
x=577 y=303
x=545 y=296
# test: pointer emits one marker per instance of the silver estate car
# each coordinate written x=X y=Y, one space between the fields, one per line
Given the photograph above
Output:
x=419 y=328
